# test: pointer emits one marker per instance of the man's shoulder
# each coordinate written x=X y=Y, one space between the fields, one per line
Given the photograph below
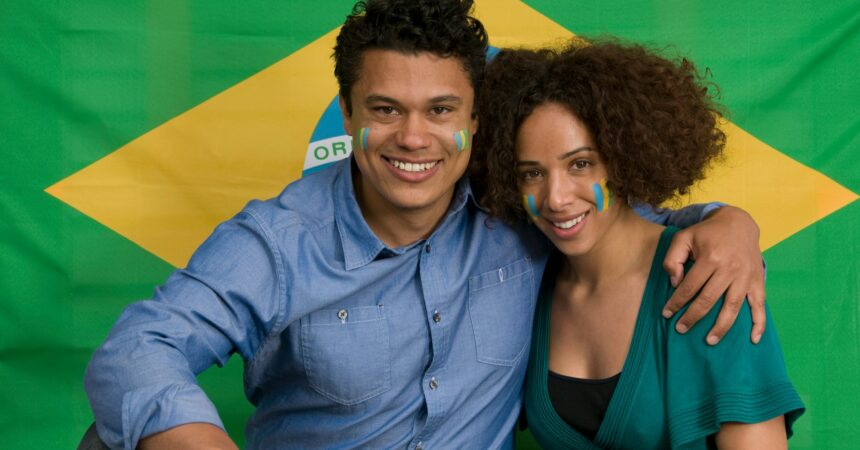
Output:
x=307 y=201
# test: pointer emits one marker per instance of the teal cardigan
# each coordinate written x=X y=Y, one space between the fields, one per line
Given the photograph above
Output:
x=674 y=389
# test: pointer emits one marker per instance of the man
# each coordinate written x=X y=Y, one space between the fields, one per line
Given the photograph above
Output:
x=373 y=303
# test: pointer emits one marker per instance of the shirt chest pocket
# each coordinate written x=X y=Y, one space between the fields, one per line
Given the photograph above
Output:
x=501 y=307
x=346 y=353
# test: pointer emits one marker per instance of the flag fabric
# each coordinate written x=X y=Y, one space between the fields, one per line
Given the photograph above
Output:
x=129 y=129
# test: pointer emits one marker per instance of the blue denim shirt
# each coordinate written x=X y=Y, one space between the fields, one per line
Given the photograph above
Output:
x=346 y=342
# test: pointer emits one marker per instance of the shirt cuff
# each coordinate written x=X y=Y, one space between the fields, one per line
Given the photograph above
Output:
x=153 y=409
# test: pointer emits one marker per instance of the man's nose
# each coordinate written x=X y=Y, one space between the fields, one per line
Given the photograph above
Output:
x=413 y=133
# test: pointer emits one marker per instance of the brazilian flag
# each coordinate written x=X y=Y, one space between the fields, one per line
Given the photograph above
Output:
x=130 y=129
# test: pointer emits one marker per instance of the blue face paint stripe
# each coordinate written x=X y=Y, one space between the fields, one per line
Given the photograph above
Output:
x=529 y=206
x=461 y=138
x=364 y=133
x=598 y=196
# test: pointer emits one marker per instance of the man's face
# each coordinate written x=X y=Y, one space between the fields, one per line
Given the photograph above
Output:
x=412 y=128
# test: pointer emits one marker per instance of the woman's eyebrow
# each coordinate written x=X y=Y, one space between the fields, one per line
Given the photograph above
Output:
x=575 y=151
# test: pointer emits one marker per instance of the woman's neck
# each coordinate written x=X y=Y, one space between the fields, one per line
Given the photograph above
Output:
x=626 y=248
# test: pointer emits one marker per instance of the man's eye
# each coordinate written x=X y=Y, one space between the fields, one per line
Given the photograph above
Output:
x=386 y=110
x=439 y=110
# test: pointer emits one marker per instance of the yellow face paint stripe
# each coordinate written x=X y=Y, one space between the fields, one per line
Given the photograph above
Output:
x=529 y=206
x=461 y=137
x=602 y=195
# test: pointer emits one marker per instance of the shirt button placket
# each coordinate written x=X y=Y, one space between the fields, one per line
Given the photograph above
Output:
x=433 y=397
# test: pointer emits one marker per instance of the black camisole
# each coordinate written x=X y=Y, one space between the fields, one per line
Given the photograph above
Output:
x=580 y=402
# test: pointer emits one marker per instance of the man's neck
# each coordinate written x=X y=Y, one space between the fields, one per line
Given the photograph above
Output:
x=398 y=227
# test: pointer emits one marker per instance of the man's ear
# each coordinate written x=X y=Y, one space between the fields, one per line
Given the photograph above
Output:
x=474 y=124
x=347 y=118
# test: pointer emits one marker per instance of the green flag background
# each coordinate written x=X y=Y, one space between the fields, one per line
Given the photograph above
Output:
x=80 y=79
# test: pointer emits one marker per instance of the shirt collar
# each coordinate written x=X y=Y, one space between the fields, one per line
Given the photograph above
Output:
x=359 y=244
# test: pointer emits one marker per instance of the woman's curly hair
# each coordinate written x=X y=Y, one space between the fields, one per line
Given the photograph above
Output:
x=653 y=120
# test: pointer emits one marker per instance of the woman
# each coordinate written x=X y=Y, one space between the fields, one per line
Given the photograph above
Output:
x=570 y=139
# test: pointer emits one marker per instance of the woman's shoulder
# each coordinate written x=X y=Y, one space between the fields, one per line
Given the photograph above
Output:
x=732 y=381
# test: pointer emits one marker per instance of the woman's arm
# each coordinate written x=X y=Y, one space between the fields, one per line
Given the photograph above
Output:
x=767 y=435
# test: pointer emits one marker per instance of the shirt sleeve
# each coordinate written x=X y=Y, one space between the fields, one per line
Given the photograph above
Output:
x=142 y=380
x=681 y=218
x=734 y=381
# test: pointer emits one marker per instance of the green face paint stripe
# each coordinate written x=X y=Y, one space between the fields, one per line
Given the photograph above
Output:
x=608 y=198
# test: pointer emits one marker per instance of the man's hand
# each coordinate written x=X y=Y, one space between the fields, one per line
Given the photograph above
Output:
x=727 y=260
x=189 y=436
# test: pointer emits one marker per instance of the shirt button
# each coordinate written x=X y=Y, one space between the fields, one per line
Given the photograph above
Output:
x=419 y=446
x=433 y=383
x=437 y=317
x=342 y=314
x=427 y=248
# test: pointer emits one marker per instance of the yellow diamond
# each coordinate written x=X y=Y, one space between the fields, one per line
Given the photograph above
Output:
x=167 y=189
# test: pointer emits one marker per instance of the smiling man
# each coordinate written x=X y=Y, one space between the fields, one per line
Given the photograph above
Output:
x=373 y=303
x=409 y=108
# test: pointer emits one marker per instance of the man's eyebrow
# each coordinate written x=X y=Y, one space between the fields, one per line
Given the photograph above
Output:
x=374 y=98
x=447 y=99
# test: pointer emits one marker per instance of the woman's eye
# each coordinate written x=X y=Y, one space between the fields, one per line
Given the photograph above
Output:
x=530 y=174
x=581 y=164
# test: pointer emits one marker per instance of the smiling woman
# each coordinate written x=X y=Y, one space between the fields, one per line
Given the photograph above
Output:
x=579 y=135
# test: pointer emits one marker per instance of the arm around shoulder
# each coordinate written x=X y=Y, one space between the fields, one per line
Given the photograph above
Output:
x=728 y=262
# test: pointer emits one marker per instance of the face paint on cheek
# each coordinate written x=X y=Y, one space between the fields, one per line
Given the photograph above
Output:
x=461 y=138
x=359 y=139
x=529 y=206
x=602 y=195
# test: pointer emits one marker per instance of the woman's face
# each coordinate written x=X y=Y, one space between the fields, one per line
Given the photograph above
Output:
x=559 y=174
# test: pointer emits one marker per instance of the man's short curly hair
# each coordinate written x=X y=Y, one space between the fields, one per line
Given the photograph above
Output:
x=653 y=120
x=440 y=27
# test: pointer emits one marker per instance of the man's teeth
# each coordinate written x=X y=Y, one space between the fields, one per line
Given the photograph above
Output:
x=570 y=223
x=412 y=167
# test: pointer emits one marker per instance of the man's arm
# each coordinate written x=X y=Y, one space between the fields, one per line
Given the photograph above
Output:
x=142 y=380
x=192 y=436
x=723 y=241
x=727 y=262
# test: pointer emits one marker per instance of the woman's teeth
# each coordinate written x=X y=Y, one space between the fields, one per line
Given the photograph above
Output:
x=570 y=223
